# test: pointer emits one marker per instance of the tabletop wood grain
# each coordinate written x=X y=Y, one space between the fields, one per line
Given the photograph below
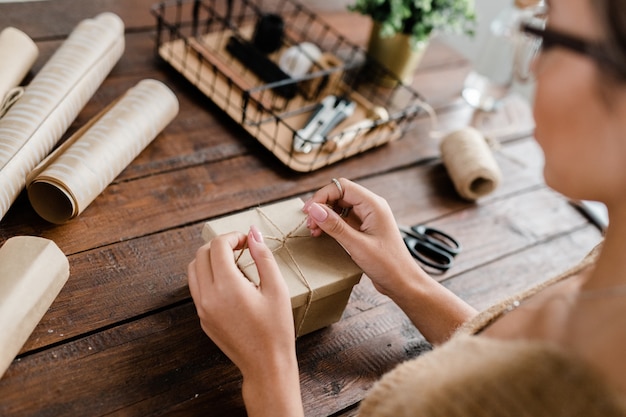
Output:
x=122 y=337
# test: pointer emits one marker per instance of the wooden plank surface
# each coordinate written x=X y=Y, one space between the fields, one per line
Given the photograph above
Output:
x=122 y=337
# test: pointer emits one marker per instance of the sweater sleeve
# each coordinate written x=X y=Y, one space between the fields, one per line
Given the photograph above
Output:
x=477 y=376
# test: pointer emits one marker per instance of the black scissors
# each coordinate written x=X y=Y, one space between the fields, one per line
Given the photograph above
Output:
x=431 y=246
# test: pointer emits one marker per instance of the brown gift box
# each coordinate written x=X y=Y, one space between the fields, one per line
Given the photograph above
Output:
x=319 y=272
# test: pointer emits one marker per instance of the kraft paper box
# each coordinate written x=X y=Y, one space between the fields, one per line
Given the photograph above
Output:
x=318 y=271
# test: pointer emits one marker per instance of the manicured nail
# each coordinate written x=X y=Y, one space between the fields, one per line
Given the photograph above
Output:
x=307 y=203
x=318 y=213
x=256 y=234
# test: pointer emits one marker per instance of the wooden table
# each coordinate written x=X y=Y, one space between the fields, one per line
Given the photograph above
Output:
x=122 y=338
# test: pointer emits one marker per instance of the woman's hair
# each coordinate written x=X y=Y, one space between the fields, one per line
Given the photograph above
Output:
x=612 y=15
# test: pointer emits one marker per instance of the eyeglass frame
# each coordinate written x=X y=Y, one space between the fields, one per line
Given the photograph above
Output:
x=551 y=38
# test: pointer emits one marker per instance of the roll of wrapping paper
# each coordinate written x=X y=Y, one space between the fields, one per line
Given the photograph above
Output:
x=18 y=53
x=33 y=271
x=75 y=174
x=33 y=125
x=470 y=163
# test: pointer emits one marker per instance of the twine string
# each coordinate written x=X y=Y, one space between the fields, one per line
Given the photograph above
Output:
x=282 y=244
x=10 y=99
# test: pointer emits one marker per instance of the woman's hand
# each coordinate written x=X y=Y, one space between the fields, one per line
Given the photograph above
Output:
x=369 y=232
x=252 y=325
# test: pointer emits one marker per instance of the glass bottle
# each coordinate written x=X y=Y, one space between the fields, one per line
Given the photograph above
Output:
x=492 y=76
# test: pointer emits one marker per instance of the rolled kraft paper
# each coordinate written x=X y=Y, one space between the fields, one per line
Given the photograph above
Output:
x=72 y=180
x=32 y=272
x=18 y=53
x=470 y=163
x=53 y=99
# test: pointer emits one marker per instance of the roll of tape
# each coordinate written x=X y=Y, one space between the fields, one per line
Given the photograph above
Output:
x=297 y=60
x=470 y=163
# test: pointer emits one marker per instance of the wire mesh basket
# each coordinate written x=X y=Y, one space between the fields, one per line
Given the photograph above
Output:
x=212 y=44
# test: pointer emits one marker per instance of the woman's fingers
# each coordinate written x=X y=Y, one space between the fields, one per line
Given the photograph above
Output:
x=222 y=258
x=269 y=273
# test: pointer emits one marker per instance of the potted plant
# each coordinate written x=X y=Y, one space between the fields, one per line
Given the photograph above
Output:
x=401 y=28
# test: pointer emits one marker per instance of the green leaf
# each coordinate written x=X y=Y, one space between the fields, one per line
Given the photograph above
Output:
x=419 y=18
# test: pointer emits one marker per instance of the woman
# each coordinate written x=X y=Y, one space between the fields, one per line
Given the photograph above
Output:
x=557 y=351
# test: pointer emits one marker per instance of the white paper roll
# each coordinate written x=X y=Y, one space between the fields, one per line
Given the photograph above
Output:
x=32 y=272
x=31 y=128
x=18 y=53
x=71 y=180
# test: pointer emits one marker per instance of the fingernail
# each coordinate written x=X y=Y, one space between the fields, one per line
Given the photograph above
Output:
x=307 y=203
x=318 y=213
x=256 y=234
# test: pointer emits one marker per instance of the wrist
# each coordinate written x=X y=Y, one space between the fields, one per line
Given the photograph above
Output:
x=433 y=309
x=273 y=389
x=409 y=282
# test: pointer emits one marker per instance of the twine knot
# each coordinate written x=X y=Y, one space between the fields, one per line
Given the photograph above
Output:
x=282 y=244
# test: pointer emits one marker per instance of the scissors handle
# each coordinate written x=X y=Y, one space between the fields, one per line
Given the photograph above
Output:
x=429 y=254
x=437 y=238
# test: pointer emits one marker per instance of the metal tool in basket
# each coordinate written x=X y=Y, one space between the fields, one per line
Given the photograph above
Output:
x=431 y=246
x=331 y=111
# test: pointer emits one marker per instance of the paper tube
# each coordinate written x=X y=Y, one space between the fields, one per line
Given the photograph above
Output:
x=32 y=272
x=53 y=99
x=18 y=53
x=74 y=175
x=470 y=163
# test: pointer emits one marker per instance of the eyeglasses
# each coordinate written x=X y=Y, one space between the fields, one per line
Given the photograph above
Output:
x=534 y=37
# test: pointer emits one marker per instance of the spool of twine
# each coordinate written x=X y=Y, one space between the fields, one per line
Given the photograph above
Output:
x=470 y=163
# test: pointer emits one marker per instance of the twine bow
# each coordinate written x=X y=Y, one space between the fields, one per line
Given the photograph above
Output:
x=282 y=244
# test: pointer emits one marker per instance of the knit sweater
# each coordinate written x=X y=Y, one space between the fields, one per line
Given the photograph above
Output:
x=476 y=376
